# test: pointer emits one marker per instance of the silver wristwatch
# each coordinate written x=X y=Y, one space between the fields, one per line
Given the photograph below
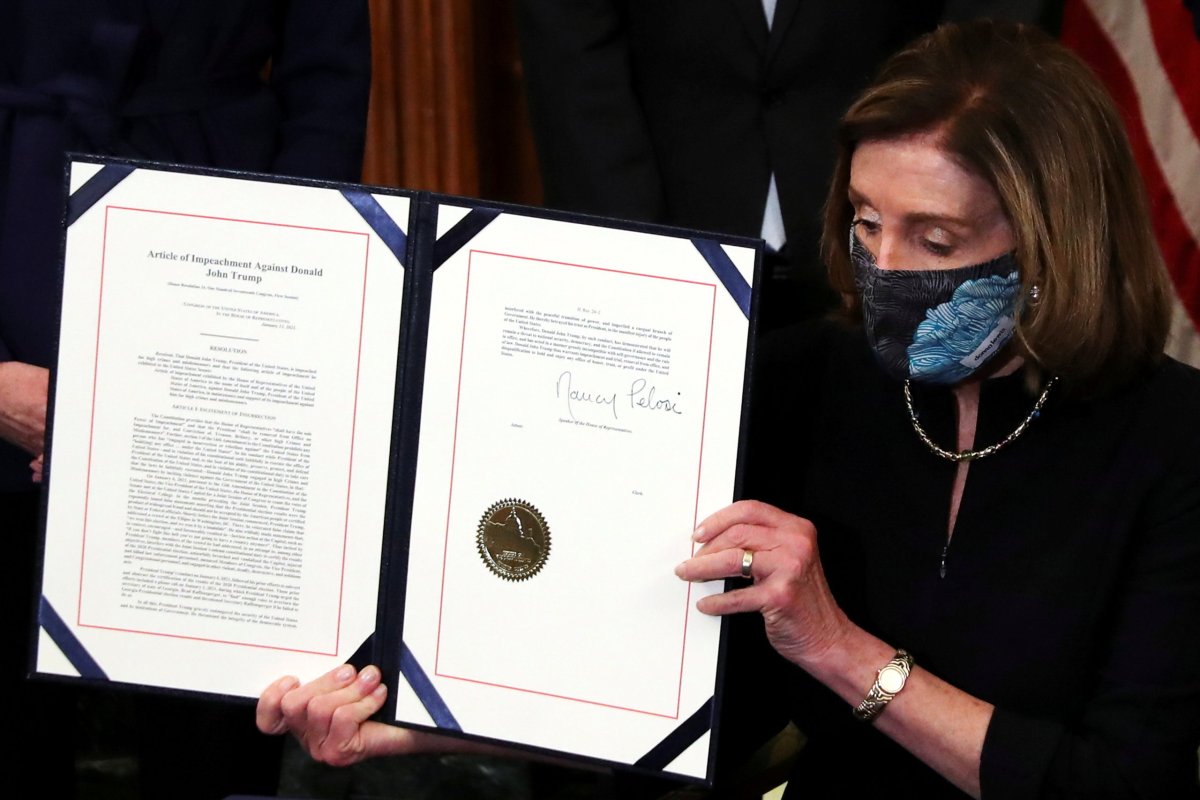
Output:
x=888 y=683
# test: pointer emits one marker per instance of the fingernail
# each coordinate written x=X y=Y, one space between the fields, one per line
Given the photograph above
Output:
x=698 y=534
x=345 y=673
x=368 y=676
x=288 y=684
x=380 y=692
x=679 y=568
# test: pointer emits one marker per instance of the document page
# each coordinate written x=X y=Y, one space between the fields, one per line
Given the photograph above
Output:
x=581 y=412
x=218 y=477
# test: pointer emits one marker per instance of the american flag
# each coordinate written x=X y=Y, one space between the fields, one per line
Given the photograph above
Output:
x=1148 y=54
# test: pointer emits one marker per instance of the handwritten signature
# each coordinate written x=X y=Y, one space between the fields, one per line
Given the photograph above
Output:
x=641 y=396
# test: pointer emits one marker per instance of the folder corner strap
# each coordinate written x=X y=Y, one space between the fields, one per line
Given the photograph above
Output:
x=680 y=739
x=463 y=231
x=424 y=689
x=67 y=642
x=723 y=267
x=95 y=188
x=380 y=221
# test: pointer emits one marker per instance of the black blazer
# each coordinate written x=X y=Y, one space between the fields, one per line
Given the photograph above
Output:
x=679 y=110
x=267 y=85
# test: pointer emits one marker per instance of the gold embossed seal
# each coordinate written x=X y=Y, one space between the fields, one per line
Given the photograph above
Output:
x=514 y=539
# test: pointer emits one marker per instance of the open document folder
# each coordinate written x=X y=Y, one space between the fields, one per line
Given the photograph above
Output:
x=295 y=420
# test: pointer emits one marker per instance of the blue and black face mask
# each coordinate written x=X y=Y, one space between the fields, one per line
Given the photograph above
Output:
x=936 y=325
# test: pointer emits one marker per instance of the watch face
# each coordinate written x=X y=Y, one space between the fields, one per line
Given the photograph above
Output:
x=891 y=679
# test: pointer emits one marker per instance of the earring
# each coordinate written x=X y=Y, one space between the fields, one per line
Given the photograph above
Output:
x=1035 y=294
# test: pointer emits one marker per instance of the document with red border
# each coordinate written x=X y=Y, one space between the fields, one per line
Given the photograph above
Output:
x=227 y=361
x=595 y=376
x=298 y=423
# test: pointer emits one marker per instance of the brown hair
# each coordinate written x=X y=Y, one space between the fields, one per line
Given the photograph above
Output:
x=1015 y=107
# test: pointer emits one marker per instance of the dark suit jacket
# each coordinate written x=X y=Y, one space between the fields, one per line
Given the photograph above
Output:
x=171 y=80
x=678 y=111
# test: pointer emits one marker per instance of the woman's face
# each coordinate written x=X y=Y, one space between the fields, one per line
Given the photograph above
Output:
x=916 y=208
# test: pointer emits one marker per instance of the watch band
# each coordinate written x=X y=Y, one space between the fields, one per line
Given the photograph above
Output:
x=889 y=680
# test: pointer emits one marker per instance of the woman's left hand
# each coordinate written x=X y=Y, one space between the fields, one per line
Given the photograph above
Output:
x=803 y=621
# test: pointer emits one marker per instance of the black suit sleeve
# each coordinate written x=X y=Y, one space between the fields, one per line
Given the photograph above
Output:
x=1138 y=725
x=321 y=75
x=592 y=141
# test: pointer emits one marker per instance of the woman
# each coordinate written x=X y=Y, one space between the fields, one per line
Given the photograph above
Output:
x=1021 y=626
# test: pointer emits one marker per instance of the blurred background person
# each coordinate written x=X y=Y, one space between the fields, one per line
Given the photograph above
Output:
x=713 y=114
x=708 y=114
x=276 y=86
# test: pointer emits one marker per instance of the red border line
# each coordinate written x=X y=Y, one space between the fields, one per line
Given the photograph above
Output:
x=453 y=458
x=712 y=325
x=454 y=454
x=237 y=219
x=596 y=269
x=87 y=490
x=203 y=639
x=353 y=428
x=559 y=696
x=362 y=317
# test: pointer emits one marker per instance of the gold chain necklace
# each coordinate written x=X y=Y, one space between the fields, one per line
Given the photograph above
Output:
x=972 y=455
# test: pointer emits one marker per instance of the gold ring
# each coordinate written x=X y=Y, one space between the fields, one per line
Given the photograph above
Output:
x=747 y=562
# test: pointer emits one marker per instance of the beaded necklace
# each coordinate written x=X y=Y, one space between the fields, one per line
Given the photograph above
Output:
x=972 y=455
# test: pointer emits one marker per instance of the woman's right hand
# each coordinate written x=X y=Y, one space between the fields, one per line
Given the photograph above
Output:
x=331 y=716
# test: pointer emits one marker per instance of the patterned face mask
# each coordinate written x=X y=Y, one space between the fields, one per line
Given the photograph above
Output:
x=936 y=325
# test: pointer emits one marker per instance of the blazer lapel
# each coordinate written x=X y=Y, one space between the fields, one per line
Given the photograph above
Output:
x=785 y=12
x=750 y=14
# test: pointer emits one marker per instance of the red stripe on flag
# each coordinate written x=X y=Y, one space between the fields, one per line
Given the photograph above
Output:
x=1083 y=34
x=1179 y=51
